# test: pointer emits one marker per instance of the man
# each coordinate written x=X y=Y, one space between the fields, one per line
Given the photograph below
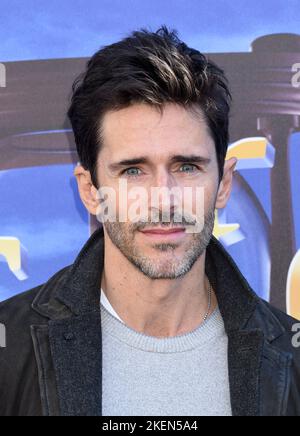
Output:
x=153 y=317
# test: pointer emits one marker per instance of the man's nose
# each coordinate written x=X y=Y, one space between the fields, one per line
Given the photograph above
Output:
x=164 y=179
x=165 y=192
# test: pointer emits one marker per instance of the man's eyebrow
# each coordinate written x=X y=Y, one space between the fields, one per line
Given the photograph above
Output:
x=174 y=159
x=180 y=158
x=128 y=162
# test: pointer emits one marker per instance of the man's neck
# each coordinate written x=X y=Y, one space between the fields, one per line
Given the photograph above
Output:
x=161 y=308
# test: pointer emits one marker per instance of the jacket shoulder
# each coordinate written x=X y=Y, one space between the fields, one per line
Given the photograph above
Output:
x=18 y=312
x=287 y=321
x=286 y=330
x=20 y=303
x=19 y=387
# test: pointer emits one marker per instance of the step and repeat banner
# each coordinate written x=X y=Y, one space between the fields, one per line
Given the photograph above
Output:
x=43 y=224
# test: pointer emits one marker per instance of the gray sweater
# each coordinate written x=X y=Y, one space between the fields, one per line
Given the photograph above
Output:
x=146 y=376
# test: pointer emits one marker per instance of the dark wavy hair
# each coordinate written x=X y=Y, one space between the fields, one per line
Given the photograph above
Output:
x=153 y=68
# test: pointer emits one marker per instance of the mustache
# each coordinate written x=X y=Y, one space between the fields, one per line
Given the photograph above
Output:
x=158 y=219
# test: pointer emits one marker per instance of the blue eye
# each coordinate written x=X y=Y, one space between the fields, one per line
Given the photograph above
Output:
x=132 y=172
x=188 y=168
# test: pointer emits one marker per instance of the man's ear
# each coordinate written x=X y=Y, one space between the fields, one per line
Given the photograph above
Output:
x=87 y=191
x=226 y=183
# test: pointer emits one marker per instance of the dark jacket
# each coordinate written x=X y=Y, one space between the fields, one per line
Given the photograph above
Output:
x=52 y=364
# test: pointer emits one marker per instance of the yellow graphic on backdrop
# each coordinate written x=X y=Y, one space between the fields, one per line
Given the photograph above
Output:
x=252 y=153
x=221 y=230
x=293 y=288
x=15 y=256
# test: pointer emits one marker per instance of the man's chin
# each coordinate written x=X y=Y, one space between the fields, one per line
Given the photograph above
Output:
x=163 y=249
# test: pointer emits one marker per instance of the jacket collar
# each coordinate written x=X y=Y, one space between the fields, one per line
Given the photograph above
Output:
x=76 y=289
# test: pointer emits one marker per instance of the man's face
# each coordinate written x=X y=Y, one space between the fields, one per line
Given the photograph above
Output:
x=149 y=151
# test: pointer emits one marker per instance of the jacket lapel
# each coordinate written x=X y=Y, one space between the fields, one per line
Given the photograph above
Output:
x=68 y=348
x=258 y=372
x=244 y=361
x=47 y=382
x=76 y=352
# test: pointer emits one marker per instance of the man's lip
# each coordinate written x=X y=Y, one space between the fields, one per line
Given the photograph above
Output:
x=164 y=232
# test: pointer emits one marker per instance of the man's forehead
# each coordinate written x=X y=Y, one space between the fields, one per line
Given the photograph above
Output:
x=145 y=118
x=121 y=134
